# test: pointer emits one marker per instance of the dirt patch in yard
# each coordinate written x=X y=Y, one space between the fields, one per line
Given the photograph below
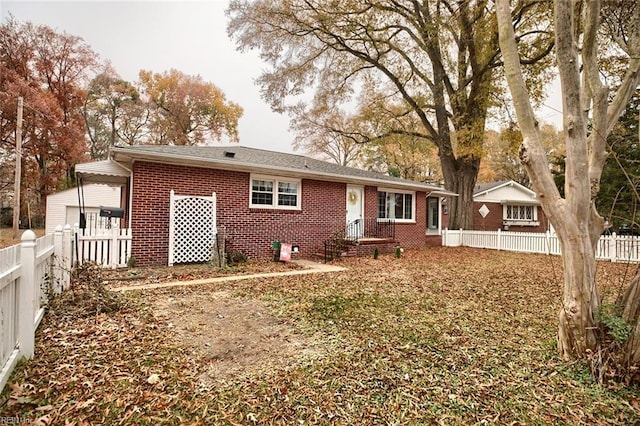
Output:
x=230 y=336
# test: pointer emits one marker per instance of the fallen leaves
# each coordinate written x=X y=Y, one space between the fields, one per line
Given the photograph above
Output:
x=153 y=379
x=439 y=336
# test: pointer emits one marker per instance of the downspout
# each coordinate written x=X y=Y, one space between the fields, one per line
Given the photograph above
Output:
x=130 y=200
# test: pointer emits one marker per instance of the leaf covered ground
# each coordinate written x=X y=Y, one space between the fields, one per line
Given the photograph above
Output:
x=438 y=336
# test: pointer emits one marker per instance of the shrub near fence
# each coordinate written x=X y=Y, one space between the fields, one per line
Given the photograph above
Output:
x=615 y=248
x=28 y=272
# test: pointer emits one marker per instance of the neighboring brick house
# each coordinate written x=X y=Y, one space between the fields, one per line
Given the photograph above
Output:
x=260 y=197
x=509 y=206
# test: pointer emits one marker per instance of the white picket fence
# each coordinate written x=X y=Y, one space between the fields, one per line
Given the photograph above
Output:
x=108 y=247
x=28 y=271
x=615 y=248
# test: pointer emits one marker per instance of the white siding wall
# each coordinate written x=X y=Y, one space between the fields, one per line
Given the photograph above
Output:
x=511 y=193
x=62 y=207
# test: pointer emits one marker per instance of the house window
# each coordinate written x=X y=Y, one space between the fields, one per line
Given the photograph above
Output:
x=433 y=213
x=262 y=192
x=396 y=205
x=520 y=213
x=275 y=193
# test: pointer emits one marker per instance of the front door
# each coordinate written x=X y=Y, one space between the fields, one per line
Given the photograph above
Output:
x=355 y=211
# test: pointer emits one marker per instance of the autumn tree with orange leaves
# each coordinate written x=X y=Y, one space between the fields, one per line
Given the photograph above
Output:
x=169 y=108
x=114 y=114
x=48 y=70
x=186 y=110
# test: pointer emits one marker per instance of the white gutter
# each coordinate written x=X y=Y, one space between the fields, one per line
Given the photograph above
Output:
x=442 y=193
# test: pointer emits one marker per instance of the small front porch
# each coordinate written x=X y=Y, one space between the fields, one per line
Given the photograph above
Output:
x=362 y=237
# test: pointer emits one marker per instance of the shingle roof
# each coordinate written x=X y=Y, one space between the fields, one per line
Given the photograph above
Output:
x=237 y=157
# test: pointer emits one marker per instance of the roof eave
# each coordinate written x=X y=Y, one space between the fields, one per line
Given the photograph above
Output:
x=443 y=193
x=107 y=172
x=521 y=202
x=502 y=185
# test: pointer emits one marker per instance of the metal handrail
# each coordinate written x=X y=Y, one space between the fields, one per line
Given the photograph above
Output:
x=355 y=230
x=377 y=228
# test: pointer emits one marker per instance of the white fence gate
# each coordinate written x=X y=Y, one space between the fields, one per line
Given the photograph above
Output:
x=192 y=228
x=108 y=247
x=27 y=271
x=615 y=248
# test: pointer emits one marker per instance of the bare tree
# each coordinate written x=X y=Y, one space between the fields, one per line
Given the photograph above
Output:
x=437 y=62
x=323 y=133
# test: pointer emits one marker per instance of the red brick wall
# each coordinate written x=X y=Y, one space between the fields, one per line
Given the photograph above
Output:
x=408 y=235
x=493 y=221
x=251 y=231
x=444 y=217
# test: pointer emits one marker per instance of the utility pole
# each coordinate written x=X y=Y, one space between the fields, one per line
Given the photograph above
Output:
x=16 y=185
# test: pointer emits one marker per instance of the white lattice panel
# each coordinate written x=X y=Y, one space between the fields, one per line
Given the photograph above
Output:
x=193 y=229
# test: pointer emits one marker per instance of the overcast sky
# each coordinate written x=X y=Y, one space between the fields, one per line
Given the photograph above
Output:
x=189 y=36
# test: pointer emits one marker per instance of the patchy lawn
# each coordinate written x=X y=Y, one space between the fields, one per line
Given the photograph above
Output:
x=6 y=236
x=443 y=335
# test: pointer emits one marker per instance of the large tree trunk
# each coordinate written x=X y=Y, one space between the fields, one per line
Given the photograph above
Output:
x=577 y=330
x=460 y=177
x=631 y=313
x=575 y=218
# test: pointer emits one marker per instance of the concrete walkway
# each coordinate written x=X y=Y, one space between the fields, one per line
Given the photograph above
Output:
x=310 y=268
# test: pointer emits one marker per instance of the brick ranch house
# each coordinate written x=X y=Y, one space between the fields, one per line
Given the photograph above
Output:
x=173 y=196
x=508 y=206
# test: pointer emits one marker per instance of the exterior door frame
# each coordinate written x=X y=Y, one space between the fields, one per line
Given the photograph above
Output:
x=355 y=208
x=438 y=201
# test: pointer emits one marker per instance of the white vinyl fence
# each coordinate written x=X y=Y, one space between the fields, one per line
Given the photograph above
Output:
x=28 y=271
x=36 y=266
x=615 y=248
x=108 y=247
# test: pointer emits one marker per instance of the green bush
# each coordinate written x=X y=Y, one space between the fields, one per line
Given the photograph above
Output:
x=618 y=328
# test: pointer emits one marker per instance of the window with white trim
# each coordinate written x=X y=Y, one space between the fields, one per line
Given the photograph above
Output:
x=396 y=205
x=275 y=193
x=520 y=213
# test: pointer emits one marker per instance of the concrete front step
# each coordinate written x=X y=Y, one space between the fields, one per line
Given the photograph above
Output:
x=365 y=247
